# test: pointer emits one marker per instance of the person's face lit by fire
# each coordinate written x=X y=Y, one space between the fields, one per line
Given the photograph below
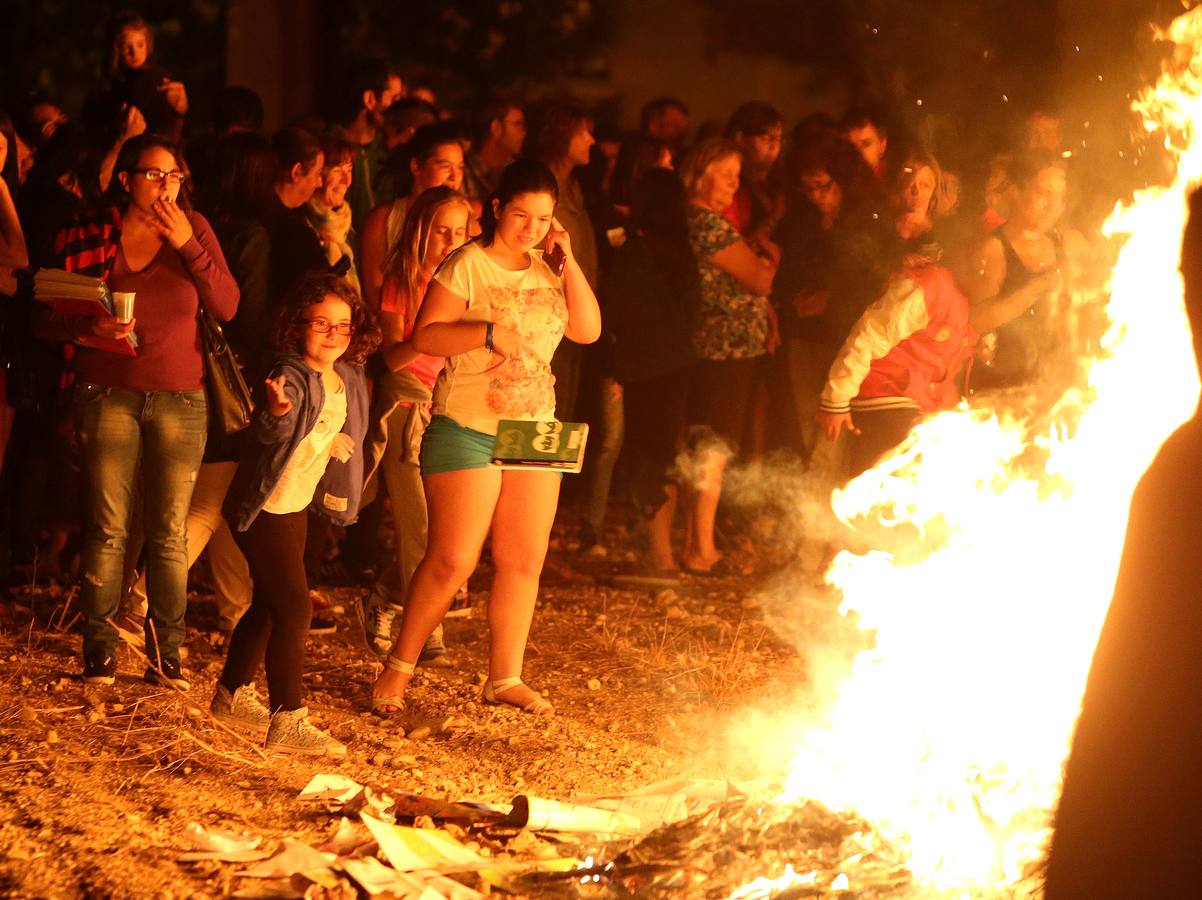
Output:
x=303 y=182
x=448 y=231
x=1043 y=132
x=917 y=190
x=511 y=131
x=443 y=166
x=823 y=192
x=322 y=342
x=761 y=151
x=134 y=47
x=524 y=221
x=578 y=147
x=145 y=192
x=871 y=144
x=718 y=184
x=377 y=104
x=1039 y=204
x=335 y=181
x=670 y=126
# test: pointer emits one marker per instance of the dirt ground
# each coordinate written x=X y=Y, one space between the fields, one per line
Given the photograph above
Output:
x=97 y=783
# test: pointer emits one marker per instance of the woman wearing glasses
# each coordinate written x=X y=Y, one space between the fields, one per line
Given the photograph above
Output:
x=305 y=454
x=149 y=406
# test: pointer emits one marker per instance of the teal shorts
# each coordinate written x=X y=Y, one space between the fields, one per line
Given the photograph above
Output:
x=449 y=447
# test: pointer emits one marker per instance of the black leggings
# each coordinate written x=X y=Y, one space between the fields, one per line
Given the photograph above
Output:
x=274 y=628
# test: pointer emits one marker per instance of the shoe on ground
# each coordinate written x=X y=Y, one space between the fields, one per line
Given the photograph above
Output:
x=376 y=616
x=434 y=651
x=291 y=731
x=461 y=605
x=321 y=625
x=100 y=667
x=323 y=604
x=241 y=709
x=170 y=674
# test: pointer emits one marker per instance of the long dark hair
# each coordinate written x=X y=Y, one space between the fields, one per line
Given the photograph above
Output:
x=245 y=167
x=523 y=176
x=659 y=215
x=127 y=162
x=291 y=324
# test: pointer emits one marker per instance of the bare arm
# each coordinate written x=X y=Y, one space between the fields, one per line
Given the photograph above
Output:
x=373 y=251
x=584 y=313
x=983 y=281
x=398 y=351
x=741 y=263
x=13 y=252
x=440 y=332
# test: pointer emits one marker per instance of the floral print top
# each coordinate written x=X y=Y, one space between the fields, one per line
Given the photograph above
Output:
x=479 y=388
x=732 y=322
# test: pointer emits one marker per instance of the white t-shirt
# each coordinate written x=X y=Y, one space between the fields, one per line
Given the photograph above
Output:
x=298 y=482
x=478 y=388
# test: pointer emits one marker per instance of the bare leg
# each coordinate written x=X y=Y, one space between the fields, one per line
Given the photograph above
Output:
x=701 y=552
x=659 y=533
x=521 y=528
x=461 y=508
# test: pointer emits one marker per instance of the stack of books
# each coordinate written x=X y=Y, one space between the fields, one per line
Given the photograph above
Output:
x=71 y=294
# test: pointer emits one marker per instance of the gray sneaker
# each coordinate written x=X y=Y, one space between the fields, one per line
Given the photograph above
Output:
x=292 y=732
x=376 y=616
x=241 y=709
x=435 y=648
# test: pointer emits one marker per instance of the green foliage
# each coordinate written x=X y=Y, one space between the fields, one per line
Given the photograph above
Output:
x=469 y=47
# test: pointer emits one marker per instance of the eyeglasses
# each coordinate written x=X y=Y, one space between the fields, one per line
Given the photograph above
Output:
x=159 y=175
x=321 y=326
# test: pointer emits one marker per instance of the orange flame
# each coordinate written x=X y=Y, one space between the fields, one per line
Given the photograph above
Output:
x=951 y=732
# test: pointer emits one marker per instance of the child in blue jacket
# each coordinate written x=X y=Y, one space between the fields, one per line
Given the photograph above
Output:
x=304 y=453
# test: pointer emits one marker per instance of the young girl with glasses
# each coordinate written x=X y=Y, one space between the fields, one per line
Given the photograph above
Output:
x=307 y=439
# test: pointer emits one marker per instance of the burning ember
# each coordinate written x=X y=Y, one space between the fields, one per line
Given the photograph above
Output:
x=950 y=733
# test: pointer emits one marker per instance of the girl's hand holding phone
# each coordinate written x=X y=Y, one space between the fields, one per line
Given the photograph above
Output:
x=343 y=447
x=278 y=403
x=558 y=248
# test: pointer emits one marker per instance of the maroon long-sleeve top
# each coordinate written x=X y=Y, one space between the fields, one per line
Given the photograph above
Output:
x=169 y=292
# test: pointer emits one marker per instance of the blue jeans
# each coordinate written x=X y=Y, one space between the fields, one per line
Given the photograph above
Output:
x=166 y=430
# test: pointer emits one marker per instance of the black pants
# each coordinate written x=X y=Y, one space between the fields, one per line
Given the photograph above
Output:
x=274 y=628
x=881 y=430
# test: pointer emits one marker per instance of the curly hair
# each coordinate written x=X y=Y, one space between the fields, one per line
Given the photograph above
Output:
x=292 y=322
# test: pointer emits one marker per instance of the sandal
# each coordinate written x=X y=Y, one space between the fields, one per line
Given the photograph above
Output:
x=539 y=706
x=393 y=704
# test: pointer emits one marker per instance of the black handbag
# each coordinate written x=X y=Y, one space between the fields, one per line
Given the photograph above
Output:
x=230 y=405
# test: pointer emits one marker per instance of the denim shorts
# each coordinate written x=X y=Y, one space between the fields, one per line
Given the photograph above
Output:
x=449 y=447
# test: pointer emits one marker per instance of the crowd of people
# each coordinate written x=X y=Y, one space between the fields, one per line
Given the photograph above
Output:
x=382 y=274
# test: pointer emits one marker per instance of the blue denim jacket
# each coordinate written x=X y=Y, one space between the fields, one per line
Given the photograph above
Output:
x=273 y=439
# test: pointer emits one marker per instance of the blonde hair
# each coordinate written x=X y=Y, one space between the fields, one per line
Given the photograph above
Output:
x=404 y=262
x=693 y=167
x=921 y=159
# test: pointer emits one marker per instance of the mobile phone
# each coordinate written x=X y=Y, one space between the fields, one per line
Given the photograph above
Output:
x=556 y=259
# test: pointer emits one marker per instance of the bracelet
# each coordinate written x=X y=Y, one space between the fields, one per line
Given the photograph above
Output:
x=488 y=336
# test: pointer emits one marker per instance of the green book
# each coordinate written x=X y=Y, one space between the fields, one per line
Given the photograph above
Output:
x=540 y=445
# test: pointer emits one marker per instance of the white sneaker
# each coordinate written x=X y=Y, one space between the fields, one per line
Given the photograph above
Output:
x=292 y=732
x=241 y=709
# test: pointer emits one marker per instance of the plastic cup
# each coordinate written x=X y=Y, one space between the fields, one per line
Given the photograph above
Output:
x=123 y=306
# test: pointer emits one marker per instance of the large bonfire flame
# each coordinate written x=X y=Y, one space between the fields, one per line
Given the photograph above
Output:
x=950 y=733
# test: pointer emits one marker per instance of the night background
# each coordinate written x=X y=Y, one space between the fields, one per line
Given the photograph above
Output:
x=957 y=76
